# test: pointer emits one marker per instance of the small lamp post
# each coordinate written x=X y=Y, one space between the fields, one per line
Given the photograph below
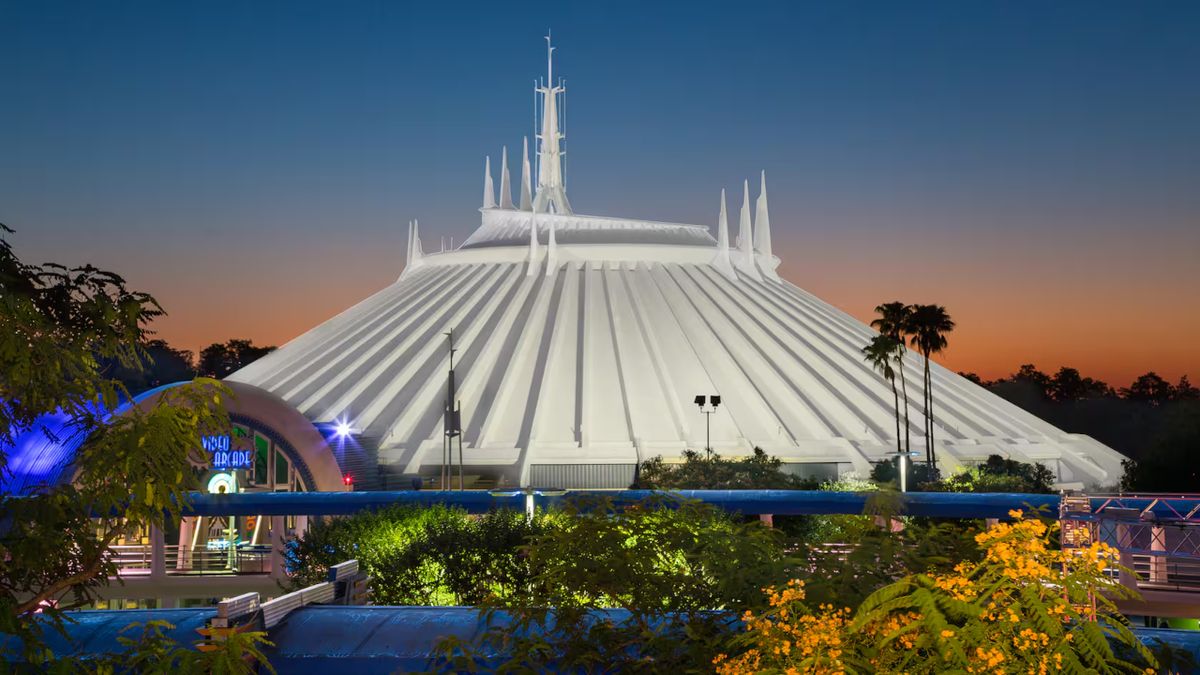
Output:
x=712 y=401
x=902 y=465
x=530 y=493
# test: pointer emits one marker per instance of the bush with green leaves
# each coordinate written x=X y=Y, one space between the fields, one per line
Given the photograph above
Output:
x=434 y=555
x=662 y=563
x=711 y=471
x=996 y=474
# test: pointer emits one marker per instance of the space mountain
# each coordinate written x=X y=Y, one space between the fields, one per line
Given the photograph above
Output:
x=582 y=342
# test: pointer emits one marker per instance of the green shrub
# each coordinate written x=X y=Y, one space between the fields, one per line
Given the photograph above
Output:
x=663 y=561
x=421 y=555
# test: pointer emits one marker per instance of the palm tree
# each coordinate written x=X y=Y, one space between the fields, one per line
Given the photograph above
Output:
x=881 y=353
x=927 y=328
x=893 y=320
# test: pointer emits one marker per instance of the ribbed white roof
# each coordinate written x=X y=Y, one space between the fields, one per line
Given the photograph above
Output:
x=599 y=361
x=583 y=340
x=511 y=228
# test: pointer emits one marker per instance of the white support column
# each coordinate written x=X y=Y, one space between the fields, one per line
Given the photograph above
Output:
x=277 y=566
x=1158 y=563
x=1124 y=543
x=158 y=553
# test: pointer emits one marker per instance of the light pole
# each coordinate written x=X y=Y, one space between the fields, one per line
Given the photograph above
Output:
x=902 y=464
x=712 y=401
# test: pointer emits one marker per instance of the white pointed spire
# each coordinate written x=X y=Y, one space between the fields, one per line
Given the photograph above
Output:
x=526 y=193
x=551 y=194
x=413 y=258
x=722 y=261
x=505 y=183
x=744 y=261
x=408 y=248
x=489 y=190
x=767 y=262
x=762 y=222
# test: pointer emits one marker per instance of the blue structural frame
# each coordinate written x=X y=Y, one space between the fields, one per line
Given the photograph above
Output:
x=362 y=640
x=750 y=502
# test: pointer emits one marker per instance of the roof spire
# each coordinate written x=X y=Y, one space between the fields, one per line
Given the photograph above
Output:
x=762 y=233
x=762 y=223
x=526 y=194
x=413 y=259
x=408 y=248
x=489 y=190
x=551 y=194
x=722 y=261
x=505 y=183
x=745 y=241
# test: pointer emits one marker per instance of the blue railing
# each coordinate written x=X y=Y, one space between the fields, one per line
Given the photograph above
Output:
x=750 y=502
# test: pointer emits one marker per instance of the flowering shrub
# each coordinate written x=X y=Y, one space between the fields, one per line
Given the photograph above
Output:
x=1026 y=607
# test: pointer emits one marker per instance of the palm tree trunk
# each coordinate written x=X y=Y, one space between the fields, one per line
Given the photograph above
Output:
x=896 y=396
x=907 y=429
x=929 y=388
x=928 y=416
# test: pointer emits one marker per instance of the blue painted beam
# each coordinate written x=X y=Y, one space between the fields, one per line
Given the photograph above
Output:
x=750 y=502
x=361 y=640
x=342 y=503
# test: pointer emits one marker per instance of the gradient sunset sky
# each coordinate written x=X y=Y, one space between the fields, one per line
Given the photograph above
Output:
x=1033 y=166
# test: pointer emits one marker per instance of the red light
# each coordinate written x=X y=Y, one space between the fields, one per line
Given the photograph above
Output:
x=348 y=479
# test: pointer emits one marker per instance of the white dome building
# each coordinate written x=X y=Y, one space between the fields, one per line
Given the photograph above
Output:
x=582 y=341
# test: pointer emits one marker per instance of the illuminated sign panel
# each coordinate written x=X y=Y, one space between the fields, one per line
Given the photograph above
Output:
x=224 y=455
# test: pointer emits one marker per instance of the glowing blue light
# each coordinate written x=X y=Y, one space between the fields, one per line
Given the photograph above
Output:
x=342 y=429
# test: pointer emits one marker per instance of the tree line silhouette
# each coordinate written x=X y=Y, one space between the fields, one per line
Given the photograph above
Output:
x=1155 y=423
x=164 y=364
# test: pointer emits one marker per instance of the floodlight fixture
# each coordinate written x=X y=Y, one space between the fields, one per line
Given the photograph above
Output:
x=713 y=400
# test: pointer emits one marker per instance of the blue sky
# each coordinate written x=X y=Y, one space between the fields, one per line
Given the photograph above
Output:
x=216 y=152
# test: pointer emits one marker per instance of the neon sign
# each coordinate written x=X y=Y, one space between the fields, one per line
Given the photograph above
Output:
x=224 y=456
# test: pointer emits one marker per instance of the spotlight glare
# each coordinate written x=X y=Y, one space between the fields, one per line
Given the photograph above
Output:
x=342 y=429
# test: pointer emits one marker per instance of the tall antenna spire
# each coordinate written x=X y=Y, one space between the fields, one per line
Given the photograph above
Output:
x=551 y=194
x=489 y=190
x=526 y=193
x=744 y=260
x=505 y=183
x=722 y=261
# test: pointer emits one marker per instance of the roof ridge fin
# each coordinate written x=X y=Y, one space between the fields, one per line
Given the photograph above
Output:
x=506 y=201
x=489 y=190
x=744 y=261
x=722 y=261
